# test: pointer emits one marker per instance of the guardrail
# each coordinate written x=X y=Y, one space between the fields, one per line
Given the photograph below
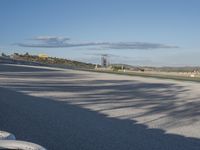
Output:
x=8 y=141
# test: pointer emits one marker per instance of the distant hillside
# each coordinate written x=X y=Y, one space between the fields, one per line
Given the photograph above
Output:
x=49 y=61
x=159 y=69
x=66 y=63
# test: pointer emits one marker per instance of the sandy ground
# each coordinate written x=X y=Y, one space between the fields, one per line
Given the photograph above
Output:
x=77 y=110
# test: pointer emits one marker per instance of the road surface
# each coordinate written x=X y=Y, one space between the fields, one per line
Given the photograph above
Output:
x=64 y=109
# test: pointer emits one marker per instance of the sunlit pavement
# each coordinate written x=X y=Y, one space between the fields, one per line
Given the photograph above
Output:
x=77 y=110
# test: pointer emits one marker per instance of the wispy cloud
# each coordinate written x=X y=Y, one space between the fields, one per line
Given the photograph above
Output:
x=117 y=59
x=113 y=56
x=100 y=54
x=51 y=39
x=61 y=42
x=138 y=45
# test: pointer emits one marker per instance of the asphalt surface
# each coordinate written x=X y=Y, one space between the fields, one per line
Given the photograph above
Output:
x=76 y=110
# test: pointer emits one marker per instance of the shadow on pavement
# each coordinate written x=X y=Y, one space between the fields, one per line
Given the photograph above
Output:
x=11 y=68
x=58 y=125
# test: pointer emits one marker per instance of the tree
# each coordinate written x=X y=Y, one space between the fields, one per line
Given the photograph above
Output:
x=3 y=54
x=26 y=54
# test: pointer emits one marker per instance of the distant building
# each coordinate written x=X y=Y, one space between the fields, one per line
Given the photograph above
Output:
x=43 y=56
x=15 y=56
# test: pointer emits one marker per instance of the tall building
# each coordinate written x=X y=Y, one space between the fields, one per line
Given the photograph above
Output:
x=104 y=60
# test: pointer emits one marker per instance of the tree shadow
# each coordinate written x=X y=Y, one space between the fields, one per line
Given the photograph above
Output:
x=60 y=125
x=79 y=116
x=11 y=68
x=160 y=98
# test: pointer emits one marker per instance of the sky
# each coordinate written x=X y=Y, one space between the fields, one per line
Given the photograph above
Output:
x=135 y=32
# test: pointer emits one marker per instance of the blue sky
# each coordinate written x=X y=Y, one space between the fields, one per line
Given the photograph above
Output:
x=137 y=32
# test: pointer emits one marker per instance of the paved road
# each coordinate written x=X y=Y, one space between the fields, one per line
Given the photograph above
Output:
x=75 y=110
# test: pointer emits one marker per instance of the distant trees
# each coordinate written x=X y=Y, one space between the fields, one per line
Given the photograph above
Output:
x=48 y=60
x=3 y=55
x=116 y=68
x=26 y=54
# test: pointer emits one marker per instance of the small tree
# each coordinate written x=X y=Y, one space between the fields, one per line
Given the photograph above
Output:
x=3 y=54
x=26 y=54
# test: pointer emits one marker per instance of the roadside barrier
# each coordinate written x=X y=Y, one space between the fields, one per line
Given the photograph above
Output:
x=8 y=141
